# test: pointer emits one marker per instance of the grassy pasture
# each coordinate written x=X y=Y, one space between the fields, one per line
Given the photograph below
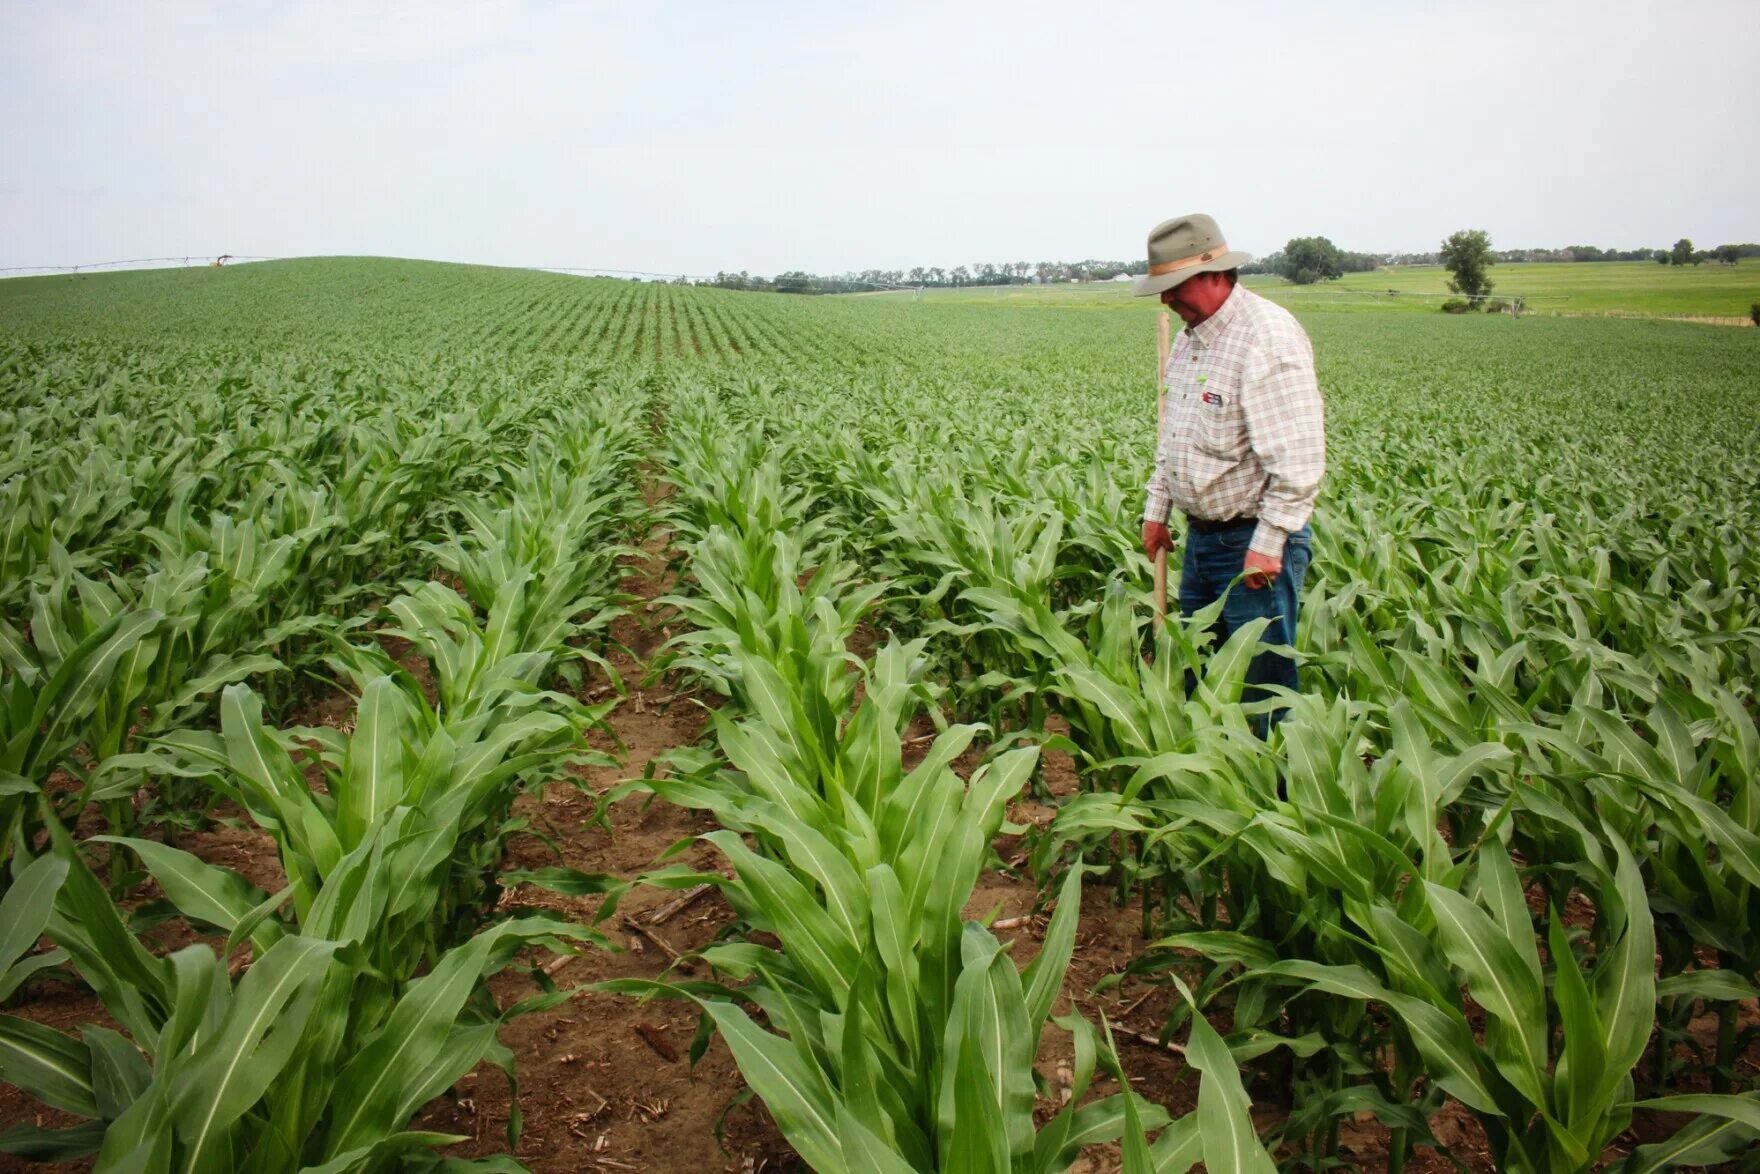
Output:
x=1615 y=288
x=1641 y=288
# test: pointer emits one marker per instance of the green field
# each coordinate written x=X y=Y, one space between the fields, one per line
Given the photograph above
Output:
x=1614 y=287
x=1617 y=288
x=337 y=594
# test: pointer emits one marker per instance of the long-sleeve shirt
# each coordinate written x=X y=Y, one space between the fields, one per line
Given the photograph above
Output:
x=1245 y=431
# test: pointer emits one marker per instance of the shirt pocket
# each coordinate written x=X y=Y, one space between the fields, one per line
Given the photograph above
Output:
x=1221 y=428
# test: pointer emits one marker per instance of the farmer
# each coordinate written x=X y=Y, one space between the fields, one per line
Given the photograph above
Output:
x=1243 y=445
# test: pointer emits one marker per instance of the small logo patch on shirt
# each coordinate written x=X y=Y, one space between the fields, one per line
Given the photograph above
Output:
x=1213 y=398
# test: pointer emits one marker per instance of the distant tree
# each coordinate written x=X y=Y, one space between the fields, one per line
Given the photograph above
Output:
x=1307 y=259
x=1586 y=253
x=1467 y=255
x=1682 y=253
x=1663 y=257
x=1729 y=254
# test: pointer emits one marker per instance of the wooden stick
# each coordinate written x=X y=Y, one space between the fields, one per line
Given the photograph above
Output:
x=656 y=939
x=1163 y=343
x=1148 y=1041
x=665 y=912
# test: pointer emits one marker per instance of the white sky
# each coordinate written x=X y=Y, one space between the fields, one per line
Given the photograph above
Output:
x=827 y=137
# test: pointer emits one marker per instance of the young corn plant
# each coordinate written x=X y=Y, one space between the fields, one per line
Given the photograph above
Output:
x=271 y=566
x=48 y=695
x=1129 y=719
x=731 y=476
x=457 y=778
x=970 y=554
x=315 y=1058
x=455 y=766
x=1551 y=1079
x=205 y=640
x=558 y=535
x=53 y=499
x=752 y=596
x=908 y=1034
x=106 y=668
x=909 y=1040
x=1293 y=857
x=1670 y=780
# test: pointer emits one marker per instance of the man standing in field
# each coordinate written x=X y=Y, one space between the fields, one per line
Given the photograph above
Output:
x=1243 y=445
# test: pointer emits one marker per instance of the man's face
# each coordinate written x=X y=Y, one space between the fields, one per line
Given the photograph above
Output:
x=1196 y=298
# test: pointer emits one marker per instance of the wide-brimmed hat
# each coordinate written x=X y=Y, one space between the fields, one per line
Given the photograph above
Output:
x=1182 y=248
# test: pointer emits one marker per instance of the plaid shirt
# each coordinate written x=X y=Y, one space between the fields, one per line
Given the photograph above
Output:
x=1245 y=433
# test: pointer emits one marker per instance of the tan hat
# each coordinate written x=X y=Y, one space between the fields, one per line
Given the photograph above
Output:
x=1182 y=248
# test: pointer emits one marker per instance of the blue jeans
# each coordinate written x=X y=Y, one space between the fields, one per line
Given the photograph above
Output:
x=1211 y=562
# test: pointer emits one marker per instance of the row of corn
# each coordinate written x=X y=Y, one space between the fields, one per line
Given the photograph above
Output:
x=353 y=991
x=884 y=1031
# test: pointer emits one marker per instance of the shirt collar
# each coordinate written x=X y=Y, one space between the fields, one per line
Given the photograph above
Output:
x=1205 y=332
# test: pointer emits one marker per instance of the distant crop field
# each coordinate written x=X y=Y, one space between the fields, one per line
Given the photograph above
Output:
x=1615 y=288
x=410 y=671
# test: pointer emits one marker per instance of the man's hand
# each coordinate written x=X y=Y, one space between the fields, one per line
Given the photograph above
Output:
x=1261 y=569
x=1156 y=537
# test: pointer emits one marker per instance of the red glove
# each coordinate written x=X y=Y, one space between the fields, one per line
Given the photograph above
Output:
x=1156 y=537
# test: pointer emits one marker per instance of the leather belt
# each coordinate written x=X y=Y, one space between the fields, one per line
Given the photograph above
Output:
x=1206 y=526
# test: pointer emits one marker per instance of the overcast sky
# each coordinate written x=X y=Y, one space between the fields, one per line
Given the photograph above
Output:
x=823 y=136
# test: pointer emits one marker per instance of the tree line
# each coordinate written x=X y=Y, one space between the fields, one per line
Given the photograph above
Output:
x=1309 y=259
x=980 y=273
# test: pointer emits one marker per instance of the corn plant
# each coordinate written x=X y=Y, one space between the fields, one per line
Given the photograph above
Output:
x=49 y=695
x=751 y=594
x=1689 y=784
x=1548 y=1100
x=458 y=776
x=455 y=766
x=269 y=576
x=559 y=534
x=314 y=1059
x=966 y=551
x=907 y=1034
x=1123 y=712
x=52 y=499
x=731 y=477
